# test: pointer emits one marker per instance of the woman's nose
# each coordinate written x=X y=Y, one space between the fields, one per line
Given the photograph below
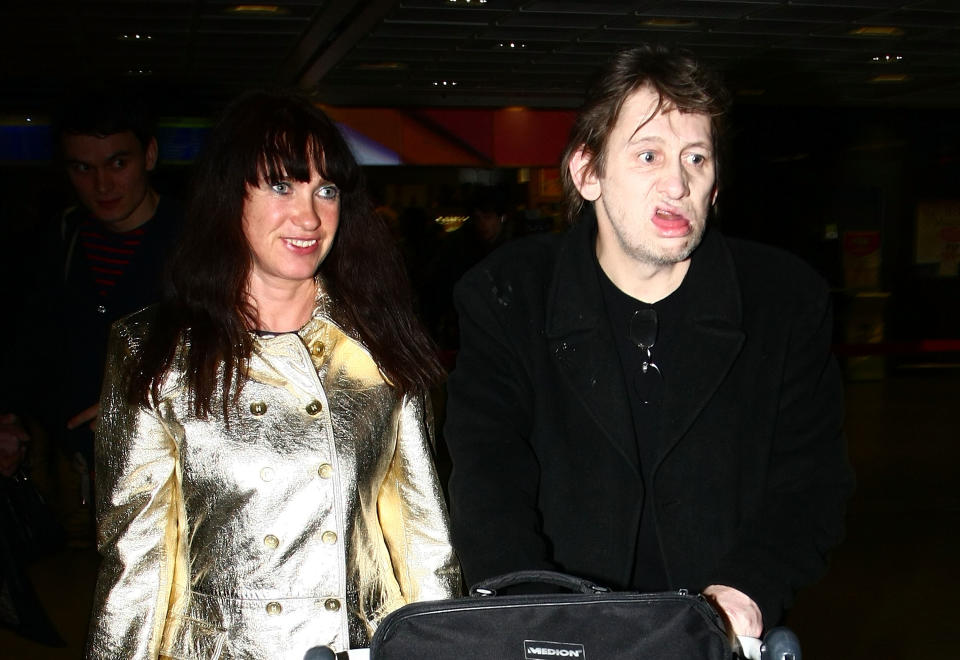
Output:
x=306 y=215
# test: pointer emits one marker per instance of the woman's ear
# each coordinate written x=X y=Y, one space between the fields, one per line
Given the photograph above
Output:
x=584 y=175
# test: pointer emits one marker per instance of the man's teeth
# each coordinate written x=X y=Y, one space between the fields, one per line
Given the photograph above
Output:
x=302 y=243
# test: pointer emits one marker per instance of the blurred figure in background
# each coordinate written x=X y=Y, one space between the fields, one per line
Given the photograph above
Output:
x=105 y=262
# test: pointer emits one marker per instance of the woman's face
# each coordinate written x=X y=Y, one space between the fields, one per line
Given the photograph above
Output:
x=290 y=226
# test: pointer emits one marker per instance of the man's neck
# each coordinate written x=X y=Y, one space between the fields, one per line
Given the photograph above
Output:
x=646 y=282
x=142 y=214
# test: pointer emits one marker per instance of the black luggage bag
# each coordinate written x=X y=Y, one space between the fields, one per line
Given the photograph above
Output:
x=591 y=624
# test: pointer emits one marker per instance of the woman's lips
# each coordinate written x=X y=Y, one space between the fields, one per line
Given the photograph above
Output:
x=302 y=245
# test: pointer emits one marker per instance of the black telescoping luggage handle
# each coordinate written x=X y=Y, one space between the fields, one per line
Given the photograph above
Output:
x=490 y=586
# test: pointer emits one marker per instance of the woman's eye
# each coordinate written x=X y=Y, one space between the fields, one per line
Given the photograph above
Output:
x=281 y=187
x=328 y=192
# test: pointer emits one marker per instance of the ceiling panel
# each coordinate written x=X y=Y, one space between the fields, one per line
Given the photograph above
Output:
x=538 y=53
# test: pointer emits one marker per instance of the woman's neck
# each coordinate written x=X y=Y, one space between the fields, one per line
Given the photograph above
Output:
x=283 y=306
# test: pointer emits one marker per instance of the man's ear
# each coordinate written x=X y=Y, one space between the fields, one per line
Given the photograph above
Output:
x=583 y=174
x=150 y=155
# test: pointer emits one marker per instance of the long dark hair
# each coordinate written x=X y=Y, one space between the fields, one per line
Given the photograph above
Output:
x=266 y=136
x=678 y=79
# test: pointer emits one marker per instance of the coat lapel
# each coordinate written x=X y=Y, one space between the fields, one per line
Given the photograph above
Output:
x=581 y=343
x=710 y=338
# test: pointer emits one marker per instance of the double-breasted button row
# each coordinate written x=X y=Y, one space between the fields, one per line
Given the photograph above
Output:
x=258 y=408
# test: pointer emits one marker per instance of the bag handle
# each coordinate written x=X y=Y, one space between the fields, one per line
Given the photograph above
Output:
x=490 y=586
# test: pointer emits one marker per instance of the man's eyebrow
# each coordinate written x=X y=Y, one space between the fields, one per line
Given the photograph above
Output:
x=116 y=154
x=123 y=153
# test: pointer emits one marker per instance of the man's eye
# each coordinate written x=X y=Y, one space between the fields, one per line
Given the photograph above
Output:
x=697 y=159
x=118 y=164
x=647 y=157
x=79 y=167
x=328 y=192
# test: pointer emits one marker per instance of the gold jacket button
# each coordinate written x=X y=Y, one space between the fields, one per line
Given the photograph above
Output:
x=274 y=608
x=317 y=349
x=314 y=407
x=329 y=537
x=266 y=474
x=271 y=541
x=325 y=470
x=258 y=408
x=331 y=605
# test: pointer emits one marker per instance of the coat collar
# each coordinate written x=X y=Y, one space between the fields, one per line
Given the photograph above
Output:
x=583 y=346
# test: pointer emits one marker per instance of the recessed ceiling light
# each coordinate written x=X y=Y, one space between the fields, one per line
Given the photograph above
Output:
x=381 y=66
x=886 y=59
x=668 y=22
x=257 y=10
x=877 y=31
x=890 y=78
x=134 y=36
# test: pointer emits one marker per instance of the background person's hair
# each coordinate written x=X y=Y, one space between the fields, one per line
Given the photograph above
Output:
x=104 y=108
x=266 y=137
x=679 y=80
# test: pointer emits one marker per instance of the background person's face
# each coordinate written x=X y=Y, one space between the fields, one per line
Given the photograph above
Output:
x=109 y=175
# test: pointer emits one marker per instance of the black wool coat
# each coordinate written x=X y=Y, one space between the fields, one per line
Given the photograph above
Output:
x=750 y=487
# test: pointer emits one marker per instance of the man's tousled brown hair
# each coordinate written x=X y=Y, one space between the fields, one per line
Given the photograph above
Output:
x=676 y=77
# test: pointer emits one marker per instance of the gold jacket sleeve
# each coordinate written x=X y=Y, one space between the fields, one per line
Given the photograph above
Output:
x=417 y=540
x=137 y=499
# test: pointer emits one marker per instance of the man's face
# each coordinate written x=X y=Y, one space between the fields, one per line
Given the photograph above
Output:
x=657 y=188
x=109 y=175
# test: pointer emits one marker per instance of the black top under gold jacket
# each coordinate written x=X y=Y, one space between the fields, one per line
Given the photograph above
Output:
x=751 y=483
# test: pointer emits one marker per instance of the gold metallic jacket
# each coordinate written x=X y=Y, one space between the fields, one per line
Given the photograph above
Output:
x=303 y=523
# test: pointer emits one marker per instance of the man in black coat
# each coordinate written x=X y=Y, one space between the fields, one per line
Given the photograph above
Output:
x=643 y=401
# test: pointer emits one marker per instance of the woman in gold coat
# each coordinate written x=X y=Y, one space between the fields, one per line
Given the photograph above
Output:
x=265 y=483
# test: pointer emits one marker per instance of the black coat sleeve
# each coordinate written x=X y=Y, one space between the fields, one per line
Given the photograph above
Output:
x=805 y=480
x=495 y=479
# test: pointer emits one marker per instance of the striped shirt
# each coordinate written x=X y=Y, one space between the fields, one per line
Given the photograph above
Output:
x=108 y=254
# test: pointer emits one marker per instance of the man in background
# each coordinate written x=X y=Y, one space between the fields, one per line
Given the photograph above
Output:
x=106 y=261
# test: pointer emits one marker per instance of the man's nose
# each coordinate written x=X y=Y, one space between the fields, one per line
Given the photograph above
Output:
x=102 y=180
x=674 y=181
